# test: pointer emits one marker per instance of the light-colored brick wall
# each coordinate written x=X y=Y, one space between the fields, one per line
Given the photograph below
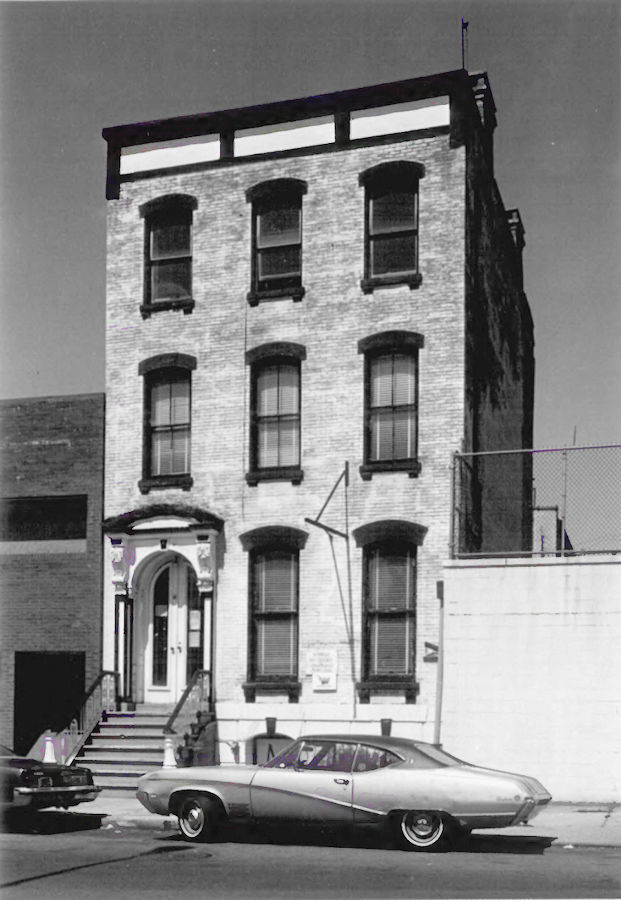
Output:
x=532 y=671
x=329 y=321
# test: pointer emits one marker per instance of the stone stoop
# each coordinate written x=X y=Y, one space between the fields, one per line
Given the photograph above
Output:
x=124 y=747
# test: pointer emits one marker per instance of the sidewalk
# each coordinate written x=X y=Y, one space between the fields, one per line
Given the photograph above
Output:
x=570 y=824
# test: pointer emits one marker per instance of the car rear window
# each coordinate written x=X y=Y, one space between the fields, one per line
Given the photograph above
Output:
x=369 y=758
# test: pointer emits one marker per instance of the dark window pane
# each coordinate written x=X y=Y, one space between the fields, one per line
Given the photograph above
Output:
x=43 y=518
x=279 y=262
x=391 y=581
x=390 y=646
x=395 y=211
x=171 y=280
x=278 y=421
x=160 y=629
x=276 y=581
x=275 y=647
x=380 y=435
x=277 y=226
x=169 y=239
x=170 y=425
x=393 y=254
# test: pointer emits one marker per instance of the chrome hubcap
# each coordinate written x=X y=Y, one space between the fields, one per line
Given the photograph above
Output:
x=194 y=818
x=422 y=828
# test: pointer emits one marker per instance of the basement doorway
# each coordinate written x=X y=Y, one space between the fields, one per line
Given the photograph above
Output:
x=49 y=688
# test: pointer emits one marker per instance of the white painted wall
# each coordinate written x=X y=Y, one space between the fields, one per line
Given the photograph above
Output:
x=532 y=671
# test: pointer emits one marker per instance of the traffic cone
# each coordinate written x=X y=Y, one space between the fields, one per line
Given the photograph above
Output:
x=49 y=756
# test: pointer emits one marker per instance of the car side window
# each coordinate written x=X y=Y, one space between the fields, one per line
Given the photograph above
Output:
x=285 y=760
x=369 y=758
x=330 y=756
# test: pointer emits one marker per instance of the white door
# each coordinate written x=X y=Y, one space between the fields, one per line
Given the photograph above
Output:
x=167 y=638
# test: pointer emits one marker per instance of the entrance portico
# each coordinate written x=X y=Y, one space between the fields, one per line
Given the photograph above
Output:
x=160 y=565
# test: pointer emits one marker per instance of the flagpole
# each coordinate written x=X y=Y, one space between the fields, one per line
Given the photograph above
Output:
x=464 y=30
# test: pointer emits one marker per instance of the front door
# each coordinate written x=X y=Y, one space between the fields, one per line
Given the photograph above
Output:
x=174 y=645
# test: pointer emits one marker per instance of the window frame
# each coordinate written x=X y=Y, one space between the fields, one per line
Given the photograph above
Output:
x=397 y=175
x=155 y=211
x=171 y=367
x=266 y=196
x=389 y=343
x=257 y=543
x=260 y=358
x=392 y=535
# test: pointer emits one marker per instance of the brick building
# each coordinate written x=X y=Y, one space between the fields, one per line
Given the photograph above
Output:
x=306 y=295
x=50 y=542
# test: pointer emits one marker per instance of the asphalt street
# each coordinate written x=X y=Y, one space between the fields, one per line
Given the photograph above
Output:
x=78 y=856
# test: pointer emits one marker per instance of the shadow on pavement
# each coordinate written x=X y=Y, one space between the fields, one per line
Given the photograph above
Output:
x=50 y=822
x=371 y=839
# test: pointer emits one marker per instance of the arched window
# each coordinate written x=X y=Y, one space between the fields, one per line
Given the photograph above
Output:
x=168 y=253
x=389 y=607
x=167 y=421
x=273 y=610
x=391 y=402
x=276 y=239
x=391 y=224
x=275 y=423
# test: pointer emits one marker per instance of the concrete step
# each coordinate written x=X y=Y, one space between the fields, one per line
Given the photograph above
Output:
x=107 y=754
x=126 y=729
x=112 y=735
x=124 y=769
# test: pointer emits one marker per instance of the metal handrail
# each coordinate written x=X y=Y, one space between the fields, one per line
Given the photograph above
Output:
x=199 y=675
x=95 y=702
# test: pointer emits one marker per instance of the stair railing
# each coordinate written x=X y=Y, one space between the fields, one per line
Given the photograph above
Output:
x=195 y=698
x=100 y=697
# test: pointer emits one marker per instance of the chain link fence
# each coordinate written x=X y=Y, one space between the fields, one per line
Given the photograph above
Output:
x=556 y=502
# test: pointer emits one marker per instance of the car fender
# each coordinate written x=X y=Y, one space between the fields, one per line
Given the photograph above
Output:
x=182 y=791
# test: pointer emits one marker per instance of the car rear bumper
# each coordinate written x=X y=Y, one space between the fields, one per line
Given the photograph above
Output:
x=40 y=797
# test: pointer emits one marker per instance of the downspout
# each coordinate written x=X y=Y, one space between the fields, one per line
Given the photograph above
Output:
x=440 y=671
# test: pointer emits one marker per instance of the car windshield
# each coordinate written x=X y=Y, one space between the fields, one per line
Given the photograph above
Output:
x=437 y=756
x=285 y=760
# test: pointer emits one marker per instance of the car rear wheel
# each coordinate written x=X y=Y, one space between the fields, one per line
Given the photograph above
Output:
x=422 y=829
x=198 y=818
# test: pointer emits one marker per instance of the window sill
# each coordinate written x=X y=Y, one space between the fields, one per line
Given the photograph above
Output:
x=404 y=684
x=411 y=466
x=413 y=281
x=186 y=304
x=256 y=297
x=158 y=482
x=280 y=473
x=286 y=686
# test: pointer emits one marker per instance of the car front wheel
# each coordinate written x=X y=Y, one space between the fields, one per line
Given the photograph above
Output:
x=423 y=830
x=198 y=818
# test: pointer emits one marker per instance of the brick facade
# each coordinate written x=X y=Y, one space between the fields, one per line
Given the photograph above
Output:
x=51 y=447
x=330 y=320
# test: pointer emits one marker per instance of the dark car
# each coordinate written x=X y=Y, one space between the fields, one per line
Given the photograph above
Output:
x=29 y=784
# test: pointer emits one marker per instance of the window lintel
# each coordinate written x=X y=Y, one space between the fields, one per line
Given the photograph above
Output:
x=169 y=202
x=390 y=530
x=274 y=350
x=274 y=536
x=399 y=172
x=391 y=341
x=167 y=361
x=276 y=189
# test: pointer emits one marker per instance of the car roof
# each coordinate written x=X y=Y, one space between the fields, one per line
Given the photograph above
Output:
x=397 y=744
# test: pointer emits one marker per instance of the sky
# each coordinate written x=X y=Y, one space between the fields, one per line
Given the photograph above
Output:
x=69 y=69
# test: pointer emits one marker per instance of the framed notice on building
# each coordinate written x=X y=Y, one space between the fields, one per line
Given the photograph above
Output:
x=322 y=665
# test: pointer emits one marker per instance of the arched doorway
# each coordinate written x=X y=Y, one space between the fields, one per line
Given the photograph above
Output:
x=170 y=628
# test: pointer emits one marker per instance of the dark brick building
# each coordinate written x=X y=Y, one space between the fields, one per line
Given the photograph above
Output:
x=50 y=543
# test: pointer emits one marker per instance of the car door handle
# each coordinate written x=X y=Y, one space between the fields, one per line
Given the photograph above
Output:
x=341 y=780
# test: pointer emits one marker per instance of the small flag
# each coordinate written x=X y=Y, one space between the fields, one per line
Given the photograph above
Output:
x=464 y=25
